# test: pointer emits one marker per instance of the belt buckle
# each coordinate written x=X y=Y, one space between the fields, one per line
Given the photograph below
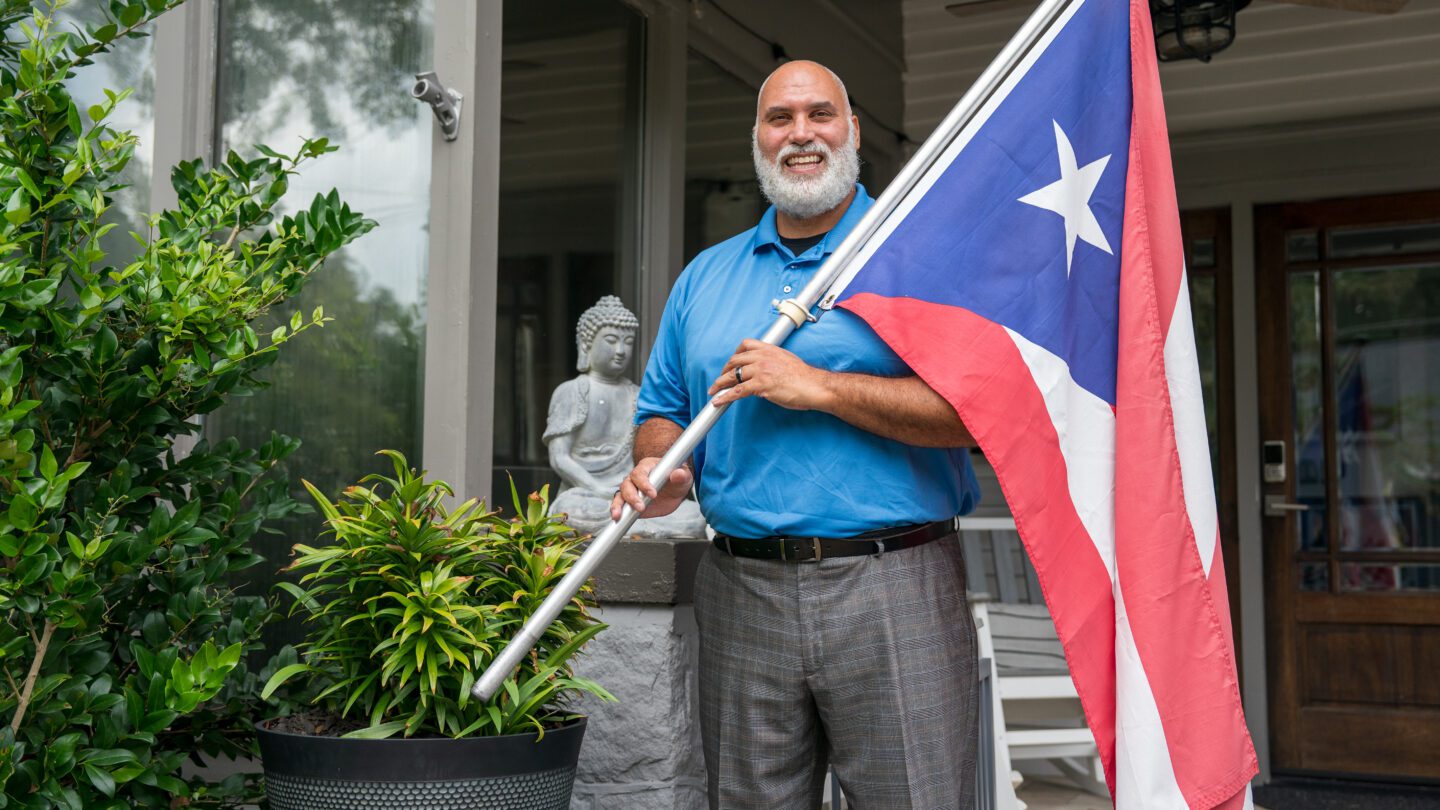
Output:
x=819 y=554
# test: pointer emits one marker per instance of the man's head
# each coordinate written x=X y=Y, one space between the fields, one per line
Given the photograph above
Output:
x=605 y=337
x=806 y=140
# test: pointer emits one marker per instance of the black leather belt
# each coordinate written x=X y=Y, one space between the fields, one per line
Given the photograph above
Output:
x=805 y=549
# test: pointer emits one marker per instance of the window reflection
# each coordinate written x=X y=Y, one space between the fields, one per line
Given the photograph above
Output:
x=1389 y=577
x=1308 y=441
x=1387 y=393
x=317 y=68
x=569 y=147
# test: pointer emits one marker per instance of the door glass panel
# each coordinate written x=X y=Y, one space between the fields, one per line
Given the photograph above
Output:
x=1308 y=443
x=1302 y=246
x=1385 y=240
x=1387 y=393
x=338 y=70
x=1381 y=577
x=1315 y=576
x=1202 y=253
x=569 y=147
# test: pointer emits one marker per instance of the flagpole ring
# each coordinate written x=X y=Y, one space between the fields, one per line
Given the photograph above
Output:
x=791 y=309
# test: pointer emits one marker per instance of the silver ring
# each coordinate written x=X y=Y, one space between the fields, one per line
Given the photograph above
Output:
x=738 y=378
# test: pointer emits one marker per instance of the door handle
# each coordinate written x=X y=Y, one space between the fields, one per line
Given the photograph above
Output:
x=1275 y=507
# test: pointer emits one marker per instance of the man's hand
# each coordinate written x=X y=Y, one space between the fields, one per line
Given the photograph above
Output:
x=901 y=408
x=636 y=487
x=772 y=374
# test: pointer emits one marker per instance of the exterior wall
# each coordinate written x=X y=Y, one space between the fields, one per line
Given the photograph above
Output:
x=642 y=752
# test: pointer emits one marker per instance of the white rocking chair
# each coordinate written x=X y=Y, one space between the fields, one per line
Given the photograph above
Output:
x=1036 y=712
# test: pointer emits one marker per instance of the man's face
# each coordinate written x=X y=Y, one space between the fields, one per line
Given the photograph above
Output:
x=610 y=352
x=805 y=143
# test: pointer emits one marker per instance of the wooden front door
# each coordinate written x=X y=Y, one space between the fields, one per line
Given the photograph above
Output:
x=1349 y=353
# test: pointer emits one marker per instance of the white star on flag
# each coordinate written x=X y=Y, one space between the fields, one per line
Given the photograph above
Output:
x=1070 y=198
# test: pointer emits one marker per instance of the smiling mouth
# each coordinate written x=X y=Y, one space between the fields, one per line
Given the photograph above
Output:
x=803 y=161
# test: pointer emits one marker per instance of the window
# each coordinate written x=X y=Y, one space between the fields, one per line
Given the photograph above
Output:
x=338 y=70
x=722 y=196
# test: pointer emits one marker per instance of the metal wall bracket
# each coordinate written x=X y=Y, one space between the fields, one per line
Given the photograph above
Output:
x=444 y=101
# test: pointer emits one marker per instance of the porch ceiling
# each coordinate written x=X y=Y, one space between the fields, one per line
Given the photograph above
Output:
x=1288 y=64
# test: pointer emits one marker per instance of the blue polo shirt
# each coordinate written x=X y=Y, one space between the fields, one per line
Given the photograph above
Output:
x=765 y=470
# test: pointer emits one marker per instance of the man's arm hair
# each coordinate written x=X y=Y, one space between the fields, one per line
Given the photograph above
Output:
x=905 y=409
x=655 y=437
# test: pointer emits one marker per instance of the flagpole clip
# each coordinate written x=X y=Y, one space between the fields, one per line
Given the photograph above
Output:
x=792 y=309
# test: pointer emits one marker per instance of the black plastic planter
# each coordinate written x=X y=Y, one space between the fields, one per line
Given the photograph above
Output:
x=514 y=772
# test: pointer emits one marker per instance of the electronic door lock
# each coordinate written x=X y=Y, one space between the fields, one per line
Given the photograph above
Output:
x=444 y=101
x=1272 y=459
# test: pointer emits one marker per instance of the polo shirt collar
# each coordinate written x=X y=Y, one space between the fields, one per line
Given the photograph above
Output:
x=766 y=233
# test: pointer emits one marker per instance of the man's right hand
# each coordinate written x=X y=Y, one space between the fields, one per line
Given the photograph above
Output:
x=636 y=487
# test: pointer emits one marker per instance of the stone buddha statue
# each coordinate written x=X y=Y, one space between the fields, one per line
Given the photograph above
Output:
x=590 y=428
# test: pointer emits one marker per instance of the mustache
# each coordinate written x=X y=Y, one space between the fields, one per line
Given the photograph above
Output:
x=813 y=147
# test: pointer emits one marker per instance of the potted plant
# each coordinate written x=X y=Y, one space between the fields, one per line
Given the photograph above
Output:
x=407 y=604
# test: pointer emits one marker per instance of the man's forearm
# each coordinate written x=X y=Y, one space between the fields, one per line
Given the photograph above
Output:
x=655 y=437
x=901 y=408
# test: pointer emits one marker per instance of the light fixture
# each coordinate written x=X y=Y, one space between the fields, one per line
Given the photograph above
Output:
x=1193 y=29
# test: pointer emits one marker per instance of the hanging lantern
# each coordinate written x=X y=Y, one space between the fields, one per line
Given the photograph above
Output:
x=1193 y=29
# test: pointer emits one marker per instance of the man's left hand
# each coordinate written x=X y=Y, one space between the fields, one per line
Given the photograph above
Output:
x=774 y=375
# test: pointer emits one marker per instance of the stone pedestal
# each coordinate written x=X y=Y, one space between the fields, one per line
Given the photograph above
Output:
x=643 y=752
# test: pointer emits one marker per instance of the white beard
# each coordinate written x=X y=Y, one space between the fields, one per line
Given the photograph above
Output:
x=808 y=197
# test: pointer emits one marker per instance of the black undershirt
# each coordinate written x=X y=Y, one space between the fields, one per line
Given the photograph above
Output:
x=800 y=245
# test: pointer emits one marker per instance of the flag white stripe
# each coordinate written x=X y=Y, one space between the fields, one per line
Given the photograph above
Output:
x=1182 y=372
x=1085 y=426
x=1144 y=773
x=942 y=163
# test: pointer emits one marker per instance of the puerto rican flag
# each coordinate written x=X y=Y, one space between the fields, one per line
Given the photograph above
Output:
x=1035 y=278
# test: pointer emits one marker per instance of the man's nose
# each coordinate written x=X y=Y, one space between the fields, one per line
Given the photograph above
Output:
x=800 y=131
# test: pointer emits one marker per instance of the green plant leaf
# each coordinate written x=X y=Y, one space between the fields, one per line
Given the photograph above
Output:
x=379 y=732
x=281 y=676
x=102 y=780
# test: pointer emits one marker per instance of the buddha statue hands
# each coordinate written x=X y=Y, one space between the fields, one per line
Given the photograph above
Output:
x=590 y=431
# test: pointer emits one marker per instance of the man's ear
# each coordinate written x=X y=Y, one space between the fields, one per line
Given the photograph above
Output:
x=855 y=128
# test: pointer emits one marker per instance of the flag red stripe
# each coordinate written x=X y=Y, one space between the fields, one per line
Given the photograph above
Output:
x=1180 y=633
x=975 y=365
x=1150 y=141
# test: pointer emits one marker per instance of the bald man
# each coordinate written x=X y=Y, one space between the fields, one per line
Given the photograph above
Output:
x=832 y=612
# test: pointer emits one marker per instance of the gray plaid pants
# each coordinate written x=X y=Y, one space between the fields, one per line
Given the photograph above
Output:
x=868 y=663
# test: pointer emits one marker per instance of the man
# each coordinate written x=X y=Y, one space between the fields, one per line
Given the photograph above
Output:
x=866 y=657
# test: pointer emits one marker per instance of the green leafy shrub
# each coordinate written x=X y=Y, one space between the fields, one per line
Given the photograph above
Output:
x=412 y=599
x=122 y=643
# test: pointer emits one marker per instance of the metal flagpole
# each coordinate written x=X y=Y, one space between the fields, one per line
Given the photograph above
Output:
x=794 y=313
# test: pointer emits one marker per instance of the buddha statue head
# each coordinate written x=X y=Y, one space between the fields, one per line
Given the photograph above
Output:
x=605 y=337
